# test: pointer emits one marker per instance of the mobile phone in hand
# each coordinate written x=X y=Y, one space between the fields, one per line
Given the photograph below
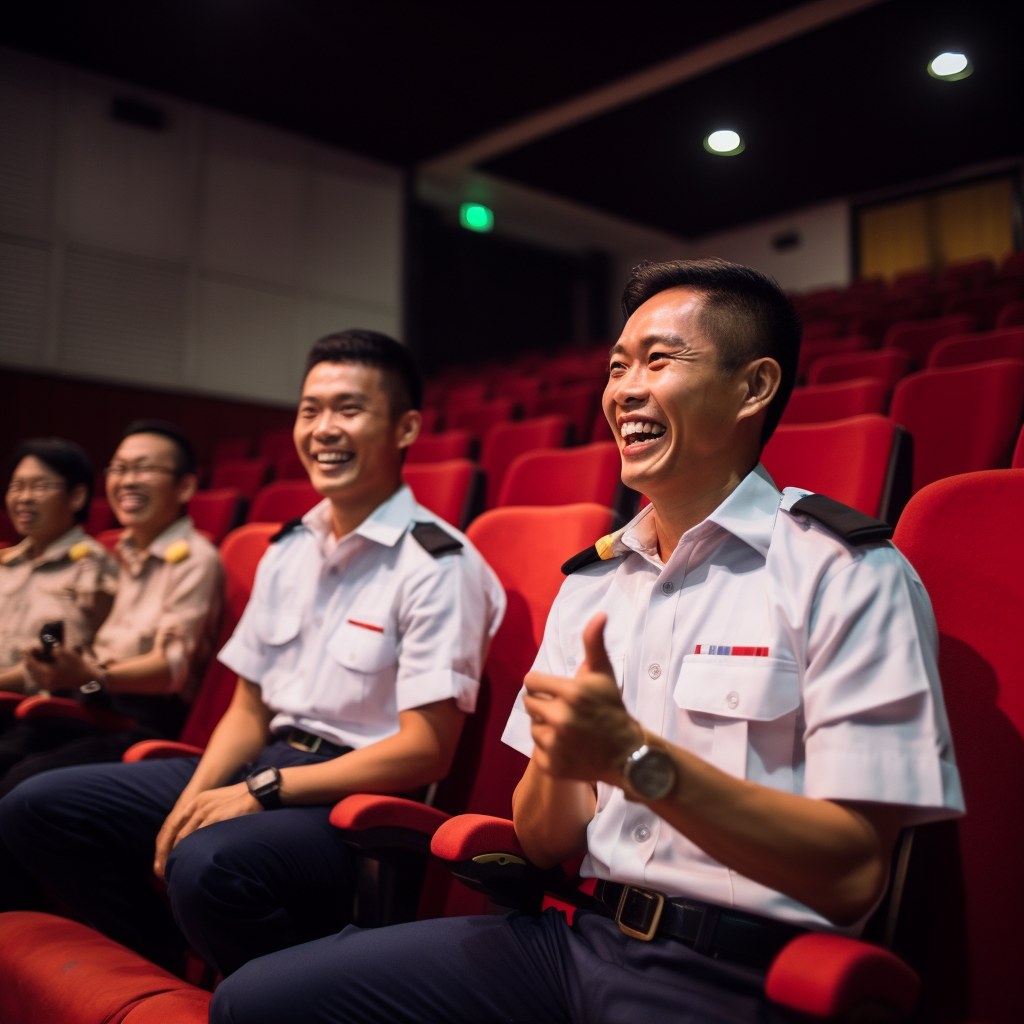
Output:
x=51 y=634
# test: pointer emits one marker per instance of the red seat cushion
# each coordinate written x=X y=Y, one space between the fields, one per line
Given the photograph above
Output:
x=918 y=337
x=1007 y=343
x=819 y=403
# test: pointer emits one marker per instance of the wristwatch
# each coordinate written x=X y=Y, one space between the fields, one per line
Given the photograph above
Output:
x=265 y=785
x=651 y=773
x=94 y=693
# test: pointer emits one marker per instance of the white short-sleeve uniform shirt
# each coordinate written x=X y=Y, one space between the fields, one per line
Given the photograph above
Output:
x=778 y=653
x=342 y=635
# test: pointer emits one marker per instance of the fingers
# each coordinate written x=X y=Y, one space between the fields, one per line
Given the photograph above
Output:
x=595 y=656
x=542 y=684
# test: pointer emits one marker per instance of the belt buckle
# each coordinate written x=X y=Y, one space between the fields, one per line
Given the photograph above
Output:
x=303 y=744
x=639 y=912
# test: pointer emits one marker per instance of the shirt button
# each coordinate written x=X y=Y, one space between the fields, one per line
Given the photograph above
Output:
x=733 y=700
x=654 y=670
x=641 y=833
x=667 y=587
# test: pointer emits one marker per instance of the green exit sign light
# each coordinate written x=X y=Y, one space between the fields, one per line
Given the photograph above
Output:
x=476 y=217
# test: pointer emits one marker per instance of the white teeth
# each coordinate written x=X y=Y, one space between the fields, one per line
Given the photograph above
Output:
x=333 y=457
x=642 y=428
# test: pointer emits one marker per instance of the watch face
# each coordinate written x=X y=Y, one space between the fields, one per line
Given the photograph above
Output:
x=266 y=777
x=653 y=775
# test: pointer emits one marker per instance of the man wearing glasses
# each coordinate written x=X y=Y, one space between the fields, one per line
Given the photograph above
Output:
x=149 y=654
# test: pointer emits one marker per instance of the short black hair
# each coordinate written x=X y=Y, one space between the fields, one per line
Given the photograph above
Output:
x=184 y=453
x=67 y=459
x=402 y=378
x=745 y=313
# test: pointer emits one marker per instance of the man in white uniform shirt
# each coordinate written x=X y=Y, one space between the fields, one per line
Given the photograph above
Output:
x=734 y=710
x=358 y=655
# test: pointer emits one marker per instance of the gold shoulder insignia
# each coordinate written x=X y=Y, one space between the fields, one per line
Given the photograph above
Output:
x=79 y=550
x=177 y=552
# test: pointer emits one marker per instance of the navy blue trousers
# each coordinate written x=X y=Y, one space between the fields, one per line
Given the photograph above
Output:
x=237 y=889
x=474 y=970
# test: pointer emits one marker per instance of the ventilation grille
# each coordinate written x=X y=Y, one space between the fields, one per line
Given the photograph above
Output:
x=24 y=269
x=122 y=319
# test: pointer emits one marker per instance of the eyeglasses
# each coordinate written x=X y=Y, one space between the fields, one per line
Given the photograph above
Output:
x=34 y=488
x=143 y=470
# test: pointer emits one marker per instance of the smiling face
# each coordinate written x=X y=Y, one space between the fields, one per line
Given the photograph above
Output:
x=677 y=417
x=39 y=502
x=143 y=487
x=346 y=435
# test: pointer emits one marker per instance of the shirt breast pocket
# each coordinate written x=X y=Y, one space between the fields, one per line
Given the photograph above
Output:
x=363 y=650
x=733 y=695
x=362 y=688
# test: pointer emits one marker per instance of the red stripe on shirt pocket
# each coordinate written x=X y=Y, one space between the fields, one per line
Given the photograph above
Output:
x=366 y=625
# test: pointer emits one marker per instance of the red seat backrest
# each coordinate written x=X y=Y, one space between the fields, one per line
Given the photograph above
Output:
x=963 y=536
x=969 y=274
x=504 y=441
x=246 y=475
x=847 y=460
x=214 y=512
x=577 y=404
x=819 y=403
x=962 y=418
x=1007 y=343
x=887 y=365
x=101 y=516
x=1011 y=315
x=1017 y=462
x=813 y=349
x=446 y=488
x=231 y=448
x=919 y=336
x=563 y=476
x=240 y=553
x=431 y=419
x=526 y=548
x=452 y=444
x=275 y=444
x=984 y=305
x=601 y=429
x=479 y=417
x=282 y=500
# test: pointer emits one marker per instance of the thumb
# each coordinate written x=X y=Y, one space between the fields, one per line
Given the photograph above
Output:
x=596 y=657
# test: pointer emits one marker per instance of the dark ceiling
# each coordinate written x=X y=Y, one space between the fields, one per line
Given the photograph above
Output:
x=840 y=110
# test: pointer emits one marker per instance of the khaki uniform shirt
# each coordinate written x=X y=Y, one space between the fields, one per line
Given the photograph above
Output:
x=169 y=598
x=73 y=581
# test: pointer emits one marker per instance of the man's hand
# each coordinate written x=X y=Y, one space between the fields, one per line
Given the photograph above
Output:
x=581 y=729
x=193 y=812
x=67 y=671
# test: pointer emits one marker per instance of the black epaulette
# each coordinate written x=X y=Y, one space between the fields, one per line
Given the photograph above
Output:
x=854 y=527
x=434 y=540
x=292 y=524
x=599 y=552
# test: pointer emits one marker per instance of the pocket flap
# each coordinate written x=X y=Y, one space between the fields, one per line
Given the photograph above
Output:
x=276 y=627
x=758 y=689
x=361 y=649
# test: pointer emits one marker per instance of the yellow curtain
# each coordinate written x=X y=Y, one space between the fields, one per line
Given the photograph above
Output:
x=927 y=232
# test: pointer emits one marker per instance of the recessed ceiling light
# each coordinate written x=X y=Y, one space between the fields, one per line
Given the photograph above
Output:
x=950 y=67
x=724 y=142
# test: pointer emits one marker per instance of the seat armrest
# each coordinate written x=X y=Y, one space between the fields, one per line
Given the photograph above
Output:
x=473 y=835
x=829 y=975
x=39 y=708
x=363 y=811
x=9 y=700
x=153 y=750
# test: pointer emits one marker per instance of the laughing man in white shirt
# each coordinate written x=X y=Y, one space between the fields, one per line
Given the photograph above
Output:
x=734 y=710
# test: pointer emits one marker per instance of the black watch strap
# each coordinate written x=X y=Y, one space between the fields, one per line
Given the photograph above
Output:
x=265 y=786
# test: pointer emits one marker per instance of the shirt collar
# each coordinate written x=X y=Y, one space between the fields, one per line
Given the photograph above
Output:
x=748 y=513
x=180 y=529
x=386 y=524
x=54 y=552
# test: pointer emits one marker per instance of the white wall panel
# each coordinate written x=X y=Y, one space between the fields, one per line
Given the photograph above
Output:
x=24 y=273
x=248 y=342
x=122 y=318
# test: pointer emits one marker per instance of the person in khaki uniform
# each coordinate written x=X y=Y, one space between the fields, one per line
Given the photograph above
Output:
x=146 y=660
x=57 y=573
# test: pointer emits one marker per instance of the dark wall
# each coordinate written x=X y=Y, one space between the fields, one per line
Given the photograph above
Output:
x=94 y=414
x=478 y=297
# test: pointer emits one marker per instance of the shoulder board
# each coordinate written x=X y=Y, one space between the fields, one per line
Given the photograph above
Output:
x=854 y=527
x=292 y=524
x=601 y=551
x=434 y=540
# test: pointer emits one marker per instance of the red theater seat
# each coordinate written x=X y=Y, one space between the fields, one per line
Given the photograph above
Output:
x=918 y=337
x=231 y=448
x=1013 y=266
x=813 y=349
x=984 y=306
x=452 y=490
x=247 y=476
x=818 y=403
x=962 y=418
x=101 y=517
x=431 y=420
x=452 y=444
x=1018 y=452
x=863 y=462
x=577 y=405
x=887 y=365
x=563 y=477
x=912 y=281
x=970 y=274
x=819 y=329
x=1011 y=315
x=504 y=441
x=1007 y=343
x=215 y=512
x=282 y=500
x=7 y=531
x=277 y=446
x=479 y=418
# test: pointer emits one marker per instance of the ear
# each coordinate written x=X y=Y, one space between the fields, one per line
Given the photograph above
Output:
x=760 y=380
x=77 y=497
x=407 y=428
x=187 y=487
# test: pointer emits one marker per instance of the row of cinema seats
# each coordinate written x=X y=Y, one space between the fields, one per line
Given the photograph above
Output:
x=962 y=890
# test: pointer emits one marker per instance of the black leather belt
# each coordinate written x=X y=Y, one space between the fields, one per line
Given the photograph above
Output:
x=715 y=931
x=313 y=744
